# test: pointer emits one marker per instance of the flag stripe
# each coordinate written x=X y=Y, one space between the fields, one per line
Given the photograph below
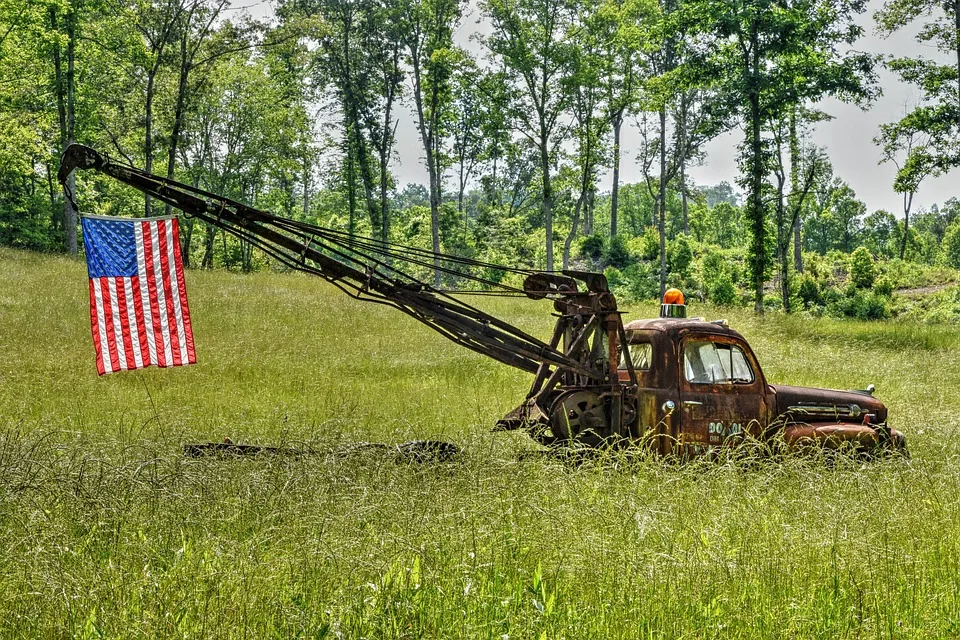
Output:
x=108 y=325
x=145 y=345
x=144 y=315
x=182 y=290
x=95 y=324
x=163 y=250
x=177 y=317
x=123 y=325
x=133 y=344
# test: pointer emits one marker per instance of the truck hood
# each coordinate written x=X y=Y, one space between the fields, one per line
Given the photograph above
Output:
x=808 y=404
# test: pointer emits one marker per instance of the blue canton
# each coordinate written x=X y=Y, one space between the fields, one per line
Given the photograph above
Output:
x=111 y=248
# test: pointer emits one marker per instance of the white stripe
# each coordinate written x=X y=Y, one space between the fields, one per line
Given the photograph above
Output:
x=102 y=329
x=132 y=322
x=117 y=326
x=175 y=290
x=145 y=297
x=161 y=292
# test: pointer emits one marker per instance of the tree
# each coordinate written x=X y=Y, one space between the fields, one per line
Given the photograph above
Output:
x=428 y=35
x=532 y=40
x=467 y=126
x=913 y=167
x=936 y=119
x=862 y=271
x=769 y=56
x=616 y=26
x=65 y=89
x=804 y=171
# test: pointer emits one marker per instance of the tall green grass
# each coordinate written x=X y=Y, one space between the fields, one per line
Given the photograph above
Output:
x=107 y=531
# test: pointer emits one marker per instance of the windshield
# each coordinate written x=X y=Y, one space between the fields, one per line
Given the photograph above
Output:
x=641 y=355
x=708 y=362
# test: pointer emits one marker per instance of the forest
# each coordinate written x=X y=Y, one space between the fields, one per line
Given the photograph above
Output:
x=520 y=134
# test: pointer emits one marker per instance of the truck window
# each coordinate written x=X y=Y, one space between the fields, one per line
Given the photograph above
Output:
x=641 y=355
x=708 y=362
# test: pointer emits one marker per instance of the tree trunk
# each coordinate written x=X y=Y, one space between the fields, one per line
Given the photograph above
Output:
x=907 y=204
x=795 y=188
x=351 y=188
x=547 y=204
x=615 y=190
x=663 y=201
x=683 y=195
x=573 y=230
x=755 y=215
x=65 y=111
x=69 y=213
x=178 y=112
x=306 y=184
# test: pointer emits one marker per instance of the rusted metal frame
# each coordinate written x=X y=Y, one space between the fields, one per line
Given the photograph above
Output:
x=628 y=359
x=544 y=369
x=577 y=342
x=612 y=321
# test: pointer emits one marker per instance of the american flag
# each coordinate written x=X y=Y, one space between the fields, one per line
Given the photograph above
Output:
x=138 y=299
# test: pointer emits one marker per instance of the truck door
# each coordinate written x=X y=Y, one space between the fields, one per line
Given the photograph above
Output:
x=721 y=393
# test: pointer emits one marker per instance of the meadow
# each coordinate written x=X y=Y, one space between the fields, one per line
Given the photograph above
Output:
x=107 y=531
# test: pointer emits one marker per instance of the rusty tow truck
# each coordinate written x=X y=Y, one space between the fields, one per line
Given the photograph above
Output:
x=684 y=387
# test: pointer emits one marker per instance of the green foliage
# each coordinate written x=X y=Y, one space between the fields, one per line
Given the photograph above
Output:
x=951 y=245
x=883 y=287
x=860 y=304
x=617 y=253
x=862 y=271
x=592 y=247
x=808 y=290
x=679 y=255
x=649 y=244
x=721 y=290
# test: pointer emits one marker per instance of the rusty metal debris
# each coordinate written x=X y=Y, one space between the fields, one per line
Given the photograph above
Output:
x=681 y=386
x=422 y=451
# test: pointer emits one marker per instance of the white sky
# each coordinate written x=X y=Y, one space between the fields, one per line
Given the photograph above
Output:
x=848 y=137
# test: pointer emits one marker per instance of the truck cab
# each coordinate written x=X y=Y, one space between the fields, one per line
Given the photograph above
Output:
x=700 y=387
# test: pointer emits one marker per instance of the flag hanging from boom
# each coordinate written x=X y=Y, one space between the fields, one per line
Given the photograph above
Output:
x=138 y=299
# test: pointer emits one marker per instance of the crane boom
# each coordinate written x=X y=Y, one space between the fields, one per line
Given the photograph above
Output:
x=320 y=251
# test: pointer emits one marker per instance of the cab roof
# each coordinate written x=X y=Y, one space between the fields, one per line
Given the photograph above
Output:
x=675 y=327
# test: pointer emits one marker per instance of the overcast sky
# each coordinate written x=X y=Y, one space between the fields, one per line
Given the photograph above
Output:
x=848 y=137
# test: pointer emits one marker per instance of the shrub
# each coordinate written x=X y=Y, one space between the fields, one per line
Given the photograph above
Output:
x=712 y=266
x=951 y=244
x=862 y=305
x=592 y=247
x=650 y=244
x=808 y=291
x=862 y=271
x=883 y=287
x=617 y=254
x=679 y=255
x=642 y=281
x=721 y=290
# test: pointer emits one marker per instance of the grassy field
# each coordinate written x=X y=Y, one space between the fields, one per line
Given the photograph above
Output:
x=107 y=531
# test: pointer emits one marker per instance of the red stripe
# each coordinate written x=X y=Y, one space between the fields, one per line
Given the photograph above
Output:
x=167 y=293
x=95 y=328
x=154 y=318
x=108 y=310
x=141 y=326
x=182 y=288
x=125 y=324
